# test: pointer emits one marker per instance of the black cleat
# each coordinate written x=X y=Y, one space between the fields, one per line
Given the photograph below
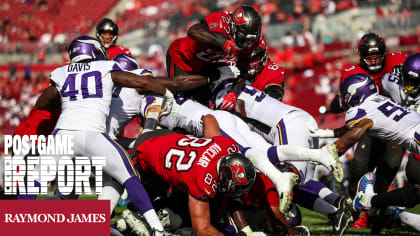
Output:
x=340 y=221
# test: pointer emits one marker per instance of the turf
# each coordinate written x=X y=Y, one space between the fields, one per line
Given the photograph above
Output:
x=318 y=225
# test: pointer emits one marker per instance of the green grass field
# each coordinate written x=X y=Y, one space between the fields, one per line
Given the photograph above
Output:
x=318 y=225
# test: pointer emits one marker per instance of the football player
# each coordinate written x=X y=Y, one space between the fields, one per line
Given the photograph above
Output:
x=403 y=87
x=376 y=62
x=378 y=116
x=107 y=33
x=289 y=125
x=221 y=36
x=187 y=114
x=266 y=75
x=200 y=167
x=85 y=107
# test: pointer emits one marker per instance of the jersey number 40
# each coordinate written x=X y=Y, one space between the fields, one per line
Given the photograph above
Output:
x=69 y=86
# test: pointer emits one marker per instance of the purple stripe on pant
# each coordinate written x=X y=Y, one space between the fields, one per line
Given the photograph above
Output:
x=283 y=133
x=124 y=156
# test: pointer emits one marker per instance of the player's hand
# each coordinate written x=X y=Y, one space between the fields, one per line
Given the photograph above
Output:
x=229 y=48
x=229 y=101
x=329 y=158
x=415 y=108
x=228 y=72
x=316 y=132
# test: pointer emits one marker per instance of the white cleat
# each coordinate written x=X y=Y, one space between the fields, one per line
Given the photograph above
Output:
x=329 y=158
x=137 y=224
x=284 y=186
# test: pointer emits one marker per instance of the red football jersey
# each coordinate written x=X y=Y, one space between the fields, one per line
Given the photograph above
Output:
x=262 y=193
x=39 y=122
x=192 y=56
x=114 y=50
x=187 y=163
x=272 y=73
x=391 y=60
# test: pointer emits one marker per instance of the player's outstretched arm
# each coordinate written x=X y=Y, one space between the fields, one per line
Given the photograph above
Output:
x=181 y=83
x=201 y=33
x=131 y=80
x=353 y=135
x=49 y=99
x=210 y=126
x=200 y=217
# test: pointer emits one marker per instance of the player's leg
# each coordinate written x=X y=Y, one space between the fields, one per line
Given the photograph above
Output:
x=387 y=168
x=359 y=165
x=120 y=167
x=112 y=191
x=386 y=171
x=255 y=148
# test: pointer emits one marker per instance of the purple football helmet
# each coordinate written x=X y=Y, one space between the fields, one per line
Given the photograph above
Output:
x=355 y=89
x=411 y=75
x=85 y=48
x=293 y=216
x=126 y=61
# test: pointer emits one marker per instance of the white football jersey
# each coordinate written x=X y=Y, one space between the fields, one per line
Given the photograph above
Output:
x=86 y=91
x=391 y=122
x=125 y=105
x=262 y=107
x=392 y=87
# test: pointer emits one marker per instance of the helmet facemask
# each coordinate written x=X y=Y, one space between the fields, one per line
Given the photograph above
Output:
x=411 y=75
x=257 y=61
x=374 y=62
x=411 y=83
x=246 y=27
x=372 y=51
x=107 y=32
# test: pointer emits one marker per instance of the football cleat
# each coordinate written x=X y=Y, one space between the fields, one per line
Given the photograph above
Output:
x=363 y=222
x=329 y=158
x=169 y=220
x=364 y=192
x=344 y=203
x=340 y=221
x=137 y=223
x=284 y=186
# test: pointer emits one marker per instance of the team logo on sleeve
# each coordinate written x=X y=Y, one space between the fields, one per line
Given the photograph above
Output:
x=238 y=17
x=213 y=25
x=238 y=173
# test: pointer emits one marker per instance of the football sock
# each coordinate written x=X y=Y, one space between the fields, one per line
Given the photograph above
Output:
x=410 y=219
x=141 y=200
